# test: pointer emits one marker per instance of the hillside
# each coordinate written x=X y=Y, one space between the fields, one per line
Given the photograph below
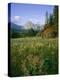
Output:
x=15 y=27
x=48 y=32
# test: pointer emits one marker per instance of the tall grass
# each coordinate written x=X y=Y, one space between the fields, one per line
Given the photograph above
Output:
x=34 y=56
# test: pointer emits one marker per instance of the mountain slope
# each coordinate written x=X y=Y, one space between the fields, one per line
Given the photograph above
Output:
x=15 y=27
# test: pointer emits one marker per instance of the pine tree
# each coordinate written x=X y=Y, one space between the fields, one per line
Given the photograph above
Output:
x=55 y=15
x=51 y=20
x=46 y=21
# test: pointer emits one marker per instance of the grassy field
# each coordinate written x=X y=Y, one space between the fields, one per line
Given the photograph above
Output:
x=34 y=56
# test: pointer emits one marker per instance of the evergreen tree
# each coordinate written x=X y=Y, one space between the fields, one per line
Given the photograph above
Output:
x=51 y=20
x=46 y=21
x=55 y=16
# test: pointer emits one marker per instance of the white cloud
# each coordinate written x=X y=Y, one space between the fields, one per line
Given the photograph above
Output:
x=17 y=18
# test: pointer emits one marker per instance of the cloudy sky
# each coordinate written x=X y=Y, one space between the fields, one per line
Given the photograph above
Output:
x=21 y=13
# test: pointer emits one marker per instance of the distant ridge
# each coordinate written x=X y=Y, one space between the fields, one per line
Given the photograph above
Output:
x=15 y=27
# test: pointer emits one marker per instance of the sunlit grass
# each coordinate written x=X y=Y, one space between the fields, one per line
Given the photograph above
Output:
x=34 y=56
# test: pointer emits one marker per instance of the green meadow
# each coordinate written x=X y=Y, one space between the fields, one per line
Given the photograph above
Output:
x=34 y=56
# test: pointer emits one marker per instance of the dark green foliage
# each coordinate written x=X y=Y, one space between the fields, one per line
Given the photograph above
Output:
x=32 y=32
x=14 y=34
x=28 y=33
x=55 y=12
x=55 y=15
x=51 y=20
